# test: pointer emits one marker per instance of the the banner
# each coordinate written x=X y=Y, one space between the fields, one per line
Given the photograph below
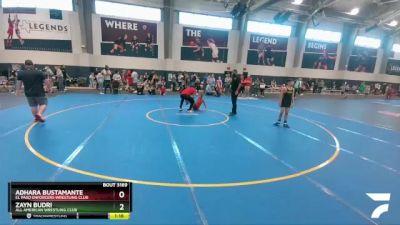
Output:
x=362 y=59
x=393 y=67
x=319 y=55
x=122 y=37
x=267 y=51
x=36 y=31
x=204 y=45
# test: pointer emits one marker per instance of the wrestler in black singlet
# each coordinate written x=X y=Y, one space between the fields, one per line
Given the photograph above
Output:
x=287 y=98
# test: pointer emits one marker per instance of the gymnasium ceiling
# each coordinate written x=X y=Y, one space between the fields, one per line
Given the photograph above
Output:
x=372 y=13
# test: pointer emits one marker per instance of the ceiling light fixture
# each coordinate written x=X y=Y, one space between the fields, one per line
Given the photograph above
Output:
x=393 y=23
x=354 y=11
x=297 y=2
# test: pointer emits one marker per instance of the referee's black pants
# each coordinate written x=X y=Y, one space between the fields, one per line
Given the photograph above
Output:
x=189 y=98
x=234 y=98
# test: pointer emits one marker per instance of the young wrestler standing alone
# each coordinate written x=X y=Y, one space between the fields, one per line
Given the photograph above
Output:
x=285 y=102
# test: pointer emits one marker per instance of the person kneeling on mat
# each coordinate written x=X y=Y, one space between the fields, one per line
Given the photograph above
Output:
x=186 y=95
x=285 y=102
x=200 y=101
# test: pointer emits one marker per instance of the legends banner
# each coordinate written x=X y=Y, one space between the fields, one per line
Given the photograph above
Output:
x=362 y=59
x=128 y=38
x=36 y=30
x=319 y=55
x=205 y=45
x=267 y=51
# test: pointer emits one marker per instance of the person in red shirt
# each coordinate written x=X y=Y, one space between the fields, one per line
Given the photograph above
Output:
x=128 y=80
x=200 y=101
x=186 y=94
x=246 y=82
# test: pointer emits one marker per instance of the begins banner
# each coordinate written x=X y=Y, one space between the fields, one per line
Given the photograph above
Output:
x=194 y=42
x=37 y=31
x=362 y=59
x=128 y=38
x=319 y=55
x=267 y=51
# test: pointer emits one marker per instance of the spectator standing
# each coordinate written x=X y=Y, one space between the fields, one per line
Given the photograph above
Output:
x=49 y=79
x=219 y=88
x=116 y=82
x=227 y=83
x=262 y=87
x=92 y=82
x=297 y=87
x=60 y=80
x=107 y=79
x=247 y=82
x=65 y=76
x=100 y=82
x=361 y=88
x=256 y=87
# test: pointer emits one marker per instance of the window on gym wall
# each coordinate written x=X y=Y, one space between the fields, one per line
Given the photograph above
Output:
x=128 y=11
x=46 y=4
x=367 y=42
x=269 y=29
x=193 y=19
x=323 y=35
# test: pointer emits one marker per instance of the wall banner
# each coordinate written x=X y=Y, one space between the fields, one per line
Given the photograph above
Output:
x=121 y=37
x=267 y=51
x=35 y=31
x=319 y=55
x=362 y=59
x=207 y=45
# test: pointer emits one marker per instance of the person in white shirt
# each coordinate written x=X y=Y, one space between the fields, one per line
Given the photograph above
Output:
x=214 y=50
x=92 y=82
x=135 y=79
x=60 y=80
x=107 y=78
x=100 y=81
x=117 y=79
x=297 y=87
x=49 y=79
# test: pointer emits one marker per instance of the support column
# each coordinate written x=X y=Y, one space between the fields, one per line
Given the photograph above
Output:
x=387 y=44
x=349 y=34
x=241 y=26
x=168 y=19
x=85 y=8
x=299 y=34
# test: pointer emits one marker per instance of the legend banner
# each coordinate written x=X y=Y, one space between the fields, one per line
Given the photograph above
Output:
x=267 y=50
x=70 y=200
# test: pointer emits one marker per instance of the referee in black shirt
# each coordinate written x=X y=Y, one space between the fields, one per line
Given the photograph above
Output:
x=235 y=88
x=34 y=91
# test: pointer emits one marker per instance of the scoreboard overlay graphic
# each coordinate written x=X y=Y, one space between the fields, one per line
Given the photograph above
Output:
x=70 y=200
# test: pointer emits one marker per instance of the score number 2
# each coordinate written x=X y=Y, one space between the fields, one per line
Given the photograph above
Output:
x=121 y=205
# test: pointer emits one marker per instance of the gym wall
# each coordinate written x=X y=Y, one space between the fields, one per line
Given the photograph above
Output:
x=78 y=58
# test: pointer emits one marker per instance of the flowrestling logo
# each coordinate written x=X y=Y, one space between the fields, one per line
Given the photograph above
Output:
x=379 y=197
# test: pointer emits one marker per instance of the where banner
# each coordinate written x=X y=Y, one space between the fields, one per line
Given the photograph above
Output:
x=393 y=67
x=267 y=51
x=362 y=59
x=319 y=55
x=205 y=45
x=122 y=37
x=36 y=30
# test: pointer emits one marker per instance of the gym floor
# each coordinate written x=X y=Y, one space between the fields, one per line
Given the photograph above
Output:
x=207 y=168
